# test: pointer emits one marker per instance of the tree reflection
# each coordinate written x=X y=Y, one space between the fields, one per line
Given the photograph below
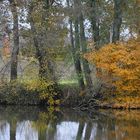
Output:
x=51 y=131
x=25 y=131
x=80 y=130
x=4 y=130
x=50 y=125
x=88 y=131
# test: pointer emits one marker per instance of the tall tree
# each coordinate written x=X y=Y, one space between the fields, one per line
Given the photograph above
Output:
x=95 y=22
x=117 y=19
x=75 y=48
x=83 y=40
x=86 y=67
x=15 y=50
x=46 y=69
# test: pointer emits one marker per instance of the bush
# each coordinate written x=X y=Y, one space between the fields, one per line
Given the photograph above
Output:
x=118 y=65
x=30 y=92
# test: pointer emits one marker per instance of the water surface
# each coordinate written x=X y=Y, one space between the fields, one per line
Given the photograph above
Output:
x=33 y=123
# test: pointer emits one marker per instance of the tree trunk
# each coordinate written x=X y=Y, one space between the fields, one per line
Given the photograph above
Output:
x=117 y=20
x=75 y=52
x=15 y=50
x=46 y=69
x=86 y=67
x=95 y=22
x=78 y=58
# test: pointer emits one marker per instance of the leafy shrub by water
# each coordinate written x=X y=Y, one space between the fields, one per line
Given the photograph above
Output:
x=30 y=92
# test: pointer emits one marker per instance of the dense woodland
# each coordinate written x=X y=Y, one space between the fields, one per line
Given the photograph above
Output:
x=82 y=53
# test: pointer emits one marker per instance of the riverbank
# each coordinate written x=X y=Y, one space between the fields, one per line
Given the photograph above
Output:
x=69 y=95
x=125 y=103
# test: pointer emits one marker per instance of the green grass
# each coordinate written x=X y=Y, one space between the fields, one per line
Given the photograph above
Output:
x=68 y=82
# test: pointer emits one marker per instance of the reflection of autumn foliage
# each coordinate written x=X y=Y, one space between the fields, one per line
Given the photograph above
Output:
x=125 y=124
x=131 y=131
x=119 y=65
x=45 y=119
x=128 y=122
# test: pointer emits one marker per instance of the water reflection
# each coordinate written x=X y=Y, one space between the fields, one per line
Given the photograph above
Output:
x=25 y=131
x=67 y=130
x=35 y=124
x=4 y=130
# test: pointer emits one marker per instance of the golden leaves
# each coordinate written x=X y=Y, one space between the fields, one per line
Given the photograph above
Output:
x=120 y=63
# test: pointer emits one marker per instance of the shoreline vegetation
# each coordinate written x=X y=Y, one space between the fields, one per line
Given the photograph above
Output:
x=69 y=96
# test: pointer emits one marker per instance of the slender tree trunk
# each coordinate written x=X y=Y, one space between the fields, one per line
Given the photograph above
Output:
x=75 y=52
x=117 y=20
x=15 y=50
x=95 y=22
x=95 y=28
x=77 y=56
x=86 y=67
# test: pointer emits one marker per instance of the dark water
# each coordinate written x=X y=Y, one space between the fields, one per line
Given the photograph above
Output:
x=32 y=123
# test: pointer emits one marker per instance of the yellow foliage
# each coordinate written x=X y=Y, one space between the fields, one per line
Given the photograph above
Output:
x=45 y=89
x=119 y=65
x=57 y=102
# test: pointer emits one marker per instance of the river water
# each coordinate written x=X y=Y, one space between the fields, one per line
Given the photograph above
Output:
x=33 y=123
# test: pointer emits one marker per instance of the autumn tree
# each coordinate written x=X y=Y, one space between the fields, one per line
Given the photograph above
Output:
x=42 y=22
x=120 y=66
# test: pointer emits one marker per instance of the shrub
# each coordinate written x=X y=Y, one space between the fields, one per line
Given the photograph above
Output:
x=30 y=92
x=118 y=65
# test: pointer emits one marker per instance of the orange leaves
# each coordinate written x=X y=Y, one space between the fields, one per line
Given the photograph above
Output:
x=120 y=63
